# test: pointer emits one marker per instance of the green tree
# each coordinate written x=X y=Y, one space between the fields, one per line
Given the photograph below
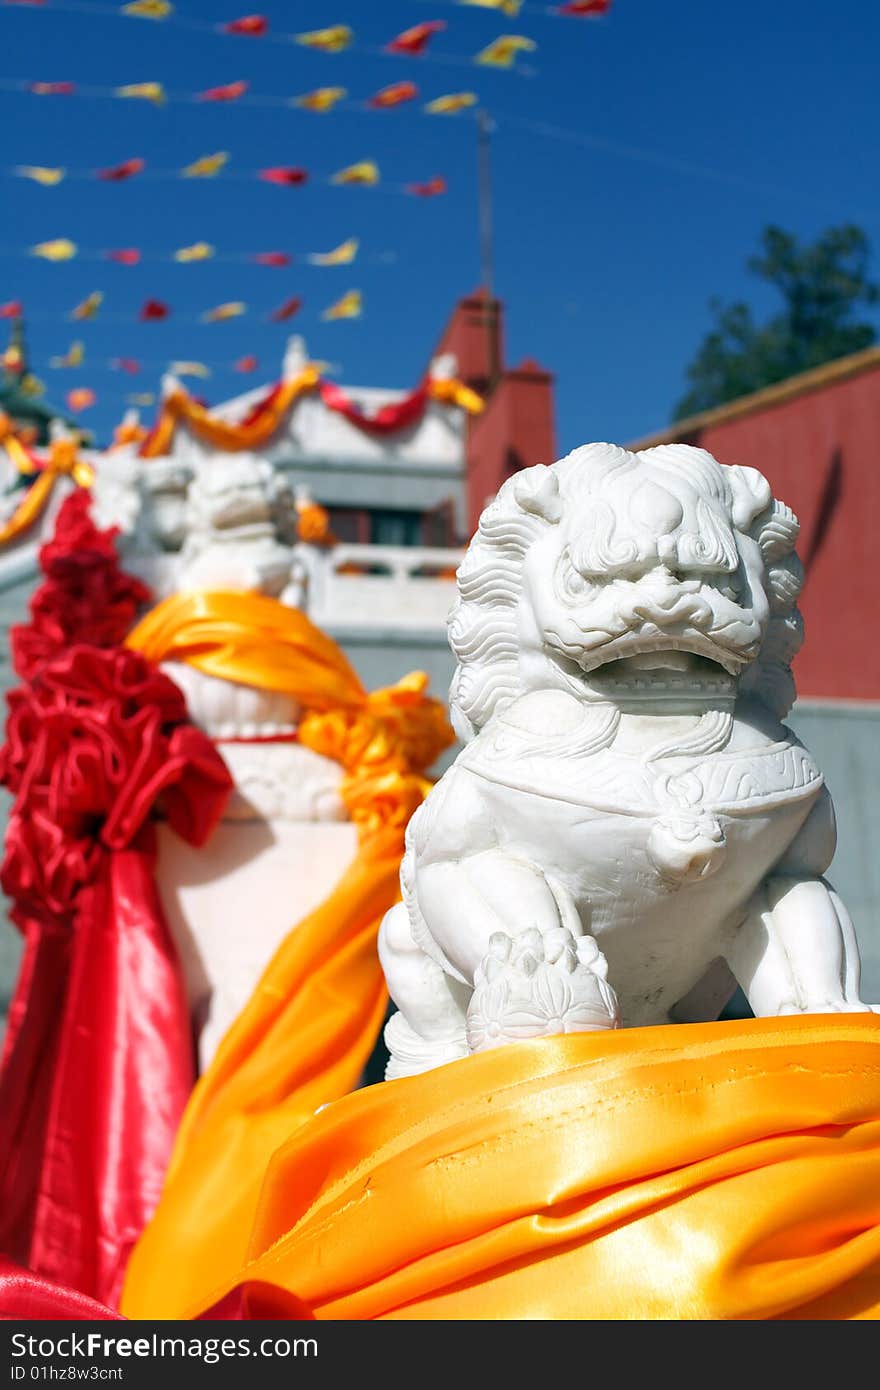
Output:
x=823 y=286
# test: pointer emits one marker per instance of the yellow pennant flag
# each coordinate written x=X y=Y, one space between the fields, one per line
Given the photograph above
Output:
x=452 y=102
x=341 y=255
x=321 y=99
x=74 y=357
x=145 y=91
x=509 y=7
x=141 y=398
x=89 y=306
x=366 y=172
x=148 y=9
x=503 y=52
x=348 y=307
x=199 y=251
x=40 y=174
x=232 y=310
x=206 y=167
x=332 y=40
x=190 y=369
x=60 y=250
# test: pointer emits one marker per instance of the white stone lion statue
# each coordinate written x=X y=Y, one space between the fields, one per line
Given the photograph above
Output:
x=630 y=830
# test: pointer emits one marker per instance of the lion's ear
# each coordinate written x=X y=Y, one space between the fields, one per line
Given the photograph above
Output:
x=537 y=491
x=750 y=492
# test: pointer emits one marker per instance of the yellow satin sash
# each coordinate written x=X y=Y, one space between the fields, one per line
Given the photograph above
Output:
x=307 y=1031
x=706 y=1171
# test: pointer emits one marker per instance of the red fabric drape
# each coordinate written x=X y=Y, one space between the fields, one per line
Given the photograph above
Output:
x=385 y=421
x=98 y=1058
x=27 y=1296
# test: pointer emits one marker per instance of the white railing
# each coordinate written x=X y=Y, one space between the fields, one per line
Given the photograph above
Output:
x=381 y=586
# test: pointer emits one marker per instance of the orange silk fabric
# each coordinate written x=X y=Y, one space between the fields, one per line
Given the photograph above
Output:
x=705 y=1171
x=307 y=1031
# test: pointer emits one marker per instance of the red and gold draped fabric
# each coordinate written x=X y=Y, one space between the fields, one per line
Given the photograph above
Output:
x=63 y=461
x=267 y=416
x=690 y=1172
x=313 y=1019
x=98 y=1059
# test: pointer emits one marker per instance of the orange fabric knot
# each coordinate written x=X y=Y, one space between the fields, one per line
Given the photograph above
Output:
x=383 y=746
x=313 y=524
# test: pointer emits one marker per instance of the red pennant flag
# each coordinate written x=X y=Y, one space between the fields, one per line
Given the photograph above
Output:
x=395 y=94
x=416 y=39
x=286 y=310
x=153 y=309
x=52 y=89
x=289 y=176
x=231 y=92
x=275 y=258
x=256 y=25
x=247 y=364
x=429 y=189
x=582 y=8
x=127 y=364
x=118 y=172
x=128 y=255
x=13 y=309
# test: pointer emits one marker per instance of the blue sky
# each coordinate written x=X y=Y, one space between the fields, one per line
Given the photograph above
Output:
x=633 y=173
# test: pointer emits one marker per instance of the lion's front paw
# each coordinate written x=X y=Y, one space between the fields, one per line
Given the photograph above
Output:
x=538 y=984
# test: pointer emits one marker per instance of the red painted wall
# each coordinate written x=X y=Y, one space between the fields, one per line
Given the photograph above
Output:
x=514 y=431
x=821 y=453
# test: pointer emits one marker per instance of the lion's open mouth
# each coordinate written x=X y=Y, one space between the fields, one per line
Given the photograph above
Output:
x=647 y=665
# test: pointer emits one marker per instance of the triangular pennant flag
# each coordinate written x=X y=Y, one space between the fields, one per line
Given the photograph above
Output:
x=80 y=398
x=129 y=365
x=365 y=172
x=153 y=310
x=321 y=99
x=190 y=369
x=118 y=172
x=431 y=189
x=246 y=364
x=271 y=258
x=348 y=307
x=126 y=255
x=416 y=39
x=451 y=103
x=394 y=95
x=89 y=306
x=332 y=40
x=59 y=250
x=148 y=9
x=52 y=89
x=12 y=309
x=233 y=310
x=509 y=7
x=285 y=177
x=252 y=25
x=74 y=357
x=286 y=310
x=230 y=92
x=40 y=174
x=340 y=255
x=199 y=251
x=143 y=91
x=583 y=8
x=206 y=167
x=503 y=52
